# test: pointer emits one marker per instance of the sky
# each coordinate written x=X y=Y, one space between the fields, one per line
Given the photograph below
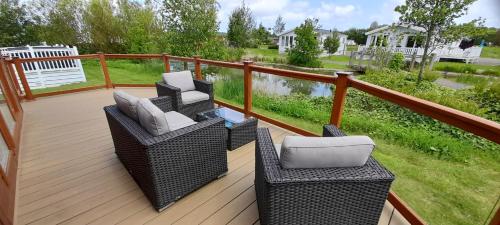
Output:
x=341 y=14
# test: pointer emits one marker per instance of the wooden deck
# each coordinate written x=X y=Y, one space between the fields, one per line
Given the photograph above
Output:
x=69 y=173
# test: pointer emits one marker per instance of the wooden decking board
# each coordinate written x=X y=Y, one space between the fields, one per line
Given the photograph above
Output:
x=69 y=173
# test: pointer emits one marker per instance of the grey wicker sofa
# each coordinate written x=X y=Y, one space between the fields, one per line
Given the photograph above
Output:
x=343 y=196
x=189 y=110
x=171 y=165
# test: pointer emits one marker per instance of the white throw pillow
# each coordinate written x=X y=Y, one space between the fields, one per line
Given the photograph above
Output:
x=182 y=80
x=324 y=152
x=126 y=103
x=152 y=118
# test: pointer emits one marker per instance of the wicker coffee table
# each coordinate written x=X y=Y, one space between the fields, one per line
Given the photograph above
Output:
x=240 y=128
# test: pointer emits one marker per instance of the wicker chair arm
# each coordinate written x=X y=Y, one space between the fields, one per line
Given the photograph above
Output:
x=276 y=175
x=205 y=87
x=164 y=103
x=332 y=131
x=203 y=127
x=164 y=89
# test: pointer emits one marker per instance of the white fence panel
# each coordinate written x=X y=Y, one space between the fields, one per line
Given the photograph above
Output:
x=49 y=73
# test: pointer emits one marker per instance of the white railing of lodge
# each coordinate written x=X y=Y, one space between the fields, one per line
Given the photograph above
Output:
x=469 y=54
x=48 y=73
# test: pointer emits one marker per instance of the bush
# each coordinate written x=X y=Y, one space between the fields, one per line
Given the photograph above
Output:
x=234 y=54
x=431 y=75
x=273 y=46
x=397 y=61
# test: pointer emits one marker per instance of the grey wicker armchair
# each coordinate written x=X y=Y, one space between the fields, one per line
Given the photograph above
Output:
x=343 y=196
x=190 y=110
x=171 y=165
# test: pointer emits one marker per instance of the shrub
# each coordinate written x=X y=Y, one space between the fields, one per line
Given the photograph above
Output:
x=431 y=75
x=397 y=61
x=234 y=54
x=274 y=46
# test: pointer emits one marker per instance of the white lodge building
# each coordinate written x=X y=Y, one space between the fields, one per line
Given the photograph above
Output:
x=287 y=40
x=406 y=39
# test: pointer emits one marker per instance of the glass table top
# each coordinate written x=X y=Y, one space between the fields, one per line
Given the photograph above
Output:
x=230 y=116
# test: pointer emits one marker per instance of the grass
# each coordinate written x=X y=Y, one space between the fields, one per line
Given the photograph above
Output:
x=352 y=48
x=262 y=52
x=120 y=72
x=458 y=67
x=337 y=58
x=491 y=52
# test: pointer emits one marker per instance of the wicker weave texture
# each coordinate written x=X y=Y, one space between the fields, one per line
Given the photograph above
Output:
x=174 y=164
x=189 y=110
x=317 y=196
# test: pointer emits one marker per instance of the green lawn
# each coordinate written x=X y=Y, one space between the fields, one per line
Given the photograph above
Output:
x=352 y=48
x=459 y=67
x=491 y=52
x=337 y=58
x=120 y=71
x=262 y=52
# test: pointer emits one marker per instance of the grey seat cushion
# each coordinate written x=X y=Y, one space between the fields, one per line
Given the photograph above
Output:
x=156 y=122
x=324 y=152
x=151 y=117
x=182 y=80
x=176 y=120
x=190 y=97
x=126 y=103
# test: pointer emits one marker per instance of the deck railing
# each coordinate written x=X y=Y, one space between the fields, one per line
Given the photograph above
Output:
x=343 y=81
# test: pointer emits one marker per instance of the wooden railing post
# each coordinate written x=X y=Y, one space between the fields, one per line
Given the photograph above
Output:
x=105 y=71
x=22 y=77
x=197 y=68
x=339 y=98
x=247 y=78
x=166 y=62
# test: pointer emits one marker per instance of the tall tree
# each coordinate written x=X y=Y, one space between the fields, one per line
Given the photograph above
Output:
x=192 y=28
x=17 y=28
x=261 y=35
x=332 y=43
x=241 y=25
x=358 y=35
x=436 y=17
x=141 y=27
x=60 y=21
x=306 y=50
x=104 y=28
x=279 y=25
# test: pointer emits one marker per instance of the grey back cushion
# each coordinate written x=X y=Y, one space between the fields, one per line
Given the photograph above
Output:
x=182 y=80
x=324 y=152
x=151 y=117
x=126 y=103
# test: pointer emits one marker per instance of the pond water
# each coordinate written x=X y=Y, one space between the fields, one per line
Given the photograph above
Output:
x=268 y=83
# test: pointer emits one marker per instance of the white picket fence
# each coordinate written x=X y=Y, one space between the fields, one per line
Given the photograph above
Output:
x=48 y=73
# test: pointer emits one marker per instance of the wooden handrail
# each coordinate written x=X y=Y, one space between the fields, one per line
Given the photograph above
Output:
x=295 y=74
x=133 y=56
x=222 y=64
x=166 y=62
x=471 y=123
x=197 y=68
